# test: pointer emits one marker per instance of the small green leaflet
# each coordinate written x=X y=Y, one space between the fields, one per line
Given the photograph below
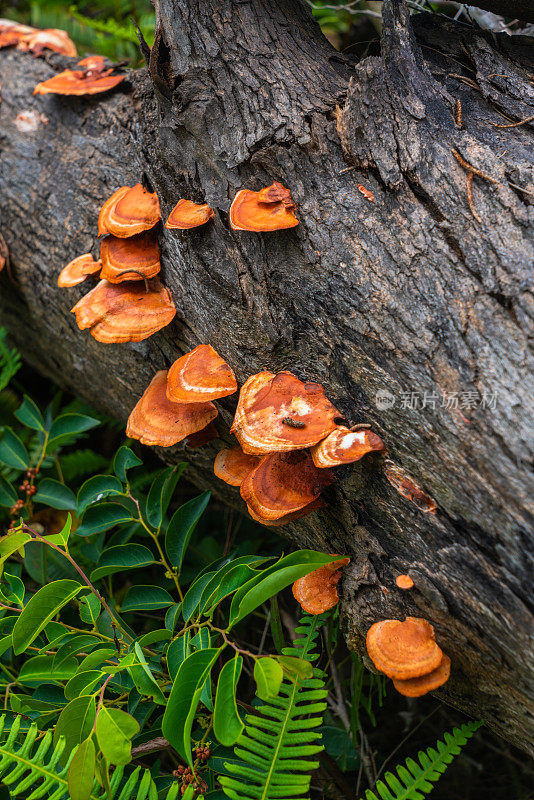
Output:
x=122 y=557
x=82 y=771
x=268 y=675
x=227 y=724
x=160 y=493
x=67 y=427
x=101 y=517
x=75 y=723
x=12 y=451
x=13 y=589
x=62 y=537
x=146 y=598
x=125 y=460
x=55 y=494
x=29 y=414
x=184 y=699
x=182 y=526
x=40 y=609
x=97 y=488
x=114 y=732
x=90 y=609
x=8 y=495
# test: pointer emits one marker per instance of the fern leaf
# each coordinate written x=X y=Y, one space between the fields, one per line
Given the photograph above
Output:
x=33 y=771
x=10 y=361
x=415 y=780
x=279 y=740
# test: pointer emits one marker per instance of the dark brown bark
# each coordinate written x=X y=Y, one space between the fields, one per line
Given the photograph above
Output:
x=408 y=294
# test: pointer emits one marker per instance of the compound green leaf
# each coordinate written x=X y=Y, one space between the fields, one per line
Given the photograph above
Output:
x=227 y=724
x=40 y=609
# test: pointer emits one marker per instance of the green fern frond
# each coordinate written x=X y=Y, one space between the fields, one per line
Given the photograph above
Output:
x=32 y=770
x=416 y=780
x=10 y=360
x=277 y=742
x=81 y=463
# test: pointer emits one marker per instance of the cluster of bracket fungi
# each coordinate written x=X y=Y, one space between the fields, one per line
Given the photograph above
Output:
x=289 y=434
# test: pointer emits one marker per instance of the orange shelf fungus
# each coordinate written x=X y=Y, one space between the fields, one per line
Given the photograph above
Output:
x=78 y=270
x=270 y=209
x=408 y=488
x=403 y=650
x=404 y=582
x=199 y=376
x=157 y=421
x=278 y=413
x=90 y=77
x=344 y=446
x=186 y=215
x=4 y=253
x=129 y=259
x=200 y=438
x=302 y=512
x=48 y=39
x=124 y=312
x=283 y=483
x=129 y=211
x=317 y=591
x=232 y=465
x=417 y=687
x=11 y=32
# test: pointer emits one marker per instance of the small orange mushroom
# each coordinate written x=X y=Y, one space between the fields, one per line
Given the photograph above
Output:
x=130 y=210
x=232 y=465
x=129 y=259
x=48 y=39
x=403 y=650
x=344 y=446
x=199 y=376
x=11 y=32
x=417 y=687
x=78 y=270
x=283 y=483
x=186 y=215
x=404 y=582
x=90 y=78
x=124 y=312
x=280 y=412
x=408 y=488
x=270 y=209
x=317 y=591
x=155 y=420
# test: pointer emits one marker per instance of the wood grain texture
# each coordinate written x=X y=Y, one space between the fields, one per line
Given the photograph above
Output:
x=407 y=294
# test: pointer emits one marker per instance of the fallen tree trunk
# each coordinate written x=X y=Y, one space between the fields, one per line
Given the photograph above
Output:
x=421 y=294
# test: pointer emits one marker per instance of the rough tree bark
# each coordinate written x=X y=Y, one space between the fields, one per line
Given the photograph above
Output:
x=411 y=293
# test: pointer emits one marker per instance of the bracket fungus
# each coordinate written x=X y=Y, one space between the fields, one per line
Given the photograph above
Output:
x=405 y=485
x=417 y=687
x=270 y=209
x=302 y=512
x=129 y=259
x=200 y=438
x=344 y=446
x=4 y=253
x=47 y=39
x=283 y=483
x=155 y=420
x=403 y=650
x=186 y=215
x=11 y=32
x=278 y=413
x=78 y=270
x=89 y=78
x=404 y=582
x=129 y=211
x=317 y=591
x=232 y=465
x=124 y=312
x=200 y=375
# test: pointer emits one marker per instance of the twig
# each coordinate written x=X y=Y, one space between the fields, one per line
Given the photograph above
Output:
x=458 y=116
x=469 y=190
x=515 y=124
x=159 y=743
x=470 y=167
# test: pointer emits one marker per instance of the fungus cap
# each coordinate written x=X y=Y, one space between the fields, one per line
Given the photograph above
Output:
x=302 y=512
x=403 y=649
x=277 y=413
x=130 y=210
x=405 y=485
x=78 y=270
x=157 y=421
x=344 y=446
x=186 y=215
x=317 y=591
x=4 y=253
x=232 y=465
x=200 y=375
x=404 y=582
x=11 y=32
x=283 y=483
x=270 y=209
x=48 y=39
x=129 y=259
x=124 y=312
x=79 y=82
x=417 y=687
